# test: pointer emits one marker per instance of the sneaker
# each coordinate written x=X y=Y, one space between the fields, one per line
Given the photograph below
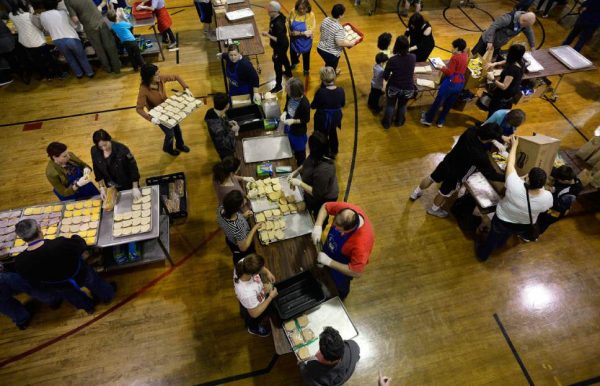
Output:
x=545 y=16
x=438 y=213
x=261 y=331
x=415 y=196
x=440 y=125
x=424 y=121
x=173 y=152
x=276 y=89
x=184 y=149
x=24 y=325
x=172 y=45
x=5 y=83
x=525 y=240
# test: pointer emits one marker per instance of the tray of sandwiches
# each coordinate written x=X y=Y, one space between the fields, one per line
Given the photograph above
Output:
x=82 y=218
x=175 y=109
x=8 y=220
x=133 y=217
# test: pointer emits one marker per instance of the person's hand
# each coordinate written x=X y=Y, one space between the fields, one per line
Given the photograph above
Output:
x=289 y=122
x=248 y=213
x=219 y=55
x=103 y=193
x=383 y=380
x=514 y=141
x=323 y=259
x=270 y=277
x=273 y=293
x=308 y=33
x=189 y=92
x=283 y=116
x=155 y=121
x=87 y=171
x=490 y=46
x=265 y=33
x=82 y=181
x=137 y=194
x=256 y=98
x=295 y=181
x=140 y=7
x=316 y=234
x=248 y=179
x=490 y=75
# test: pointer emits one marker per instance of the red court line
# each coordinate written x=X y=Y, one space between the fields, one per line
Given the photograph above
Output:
x=112 y=309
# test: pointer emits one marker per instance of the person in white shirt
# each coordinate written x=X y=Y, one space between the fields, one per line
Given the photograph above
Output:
x=33 y=39
x=512 y=213
x=56 y=22
x=254 y=295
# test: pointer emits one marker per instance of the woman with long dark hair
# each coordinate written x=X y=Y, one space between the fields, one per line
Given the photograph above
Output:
x=509 y=84
x=152 y=93
x=420 y=36
x=399 y=72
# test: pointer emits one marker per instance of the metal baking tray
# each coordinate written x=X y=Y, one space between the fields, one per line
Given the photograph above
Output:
x=296 y=224
x=570 y=58
x=331 y=313
x=97 y=197
x=260 y=204
x=266 y=148
x=482 y=191
x=238 y=31
x=163 y=105
x=106 y=239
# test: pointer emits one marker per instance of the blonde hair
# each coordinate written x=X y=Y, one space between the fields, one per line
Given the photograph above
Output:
x=327 y=75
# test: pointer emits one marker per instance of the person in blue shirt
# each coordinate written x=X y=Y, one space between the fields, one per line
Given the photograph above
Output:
x=508 y=120
x=122 y=28
x=587 y=23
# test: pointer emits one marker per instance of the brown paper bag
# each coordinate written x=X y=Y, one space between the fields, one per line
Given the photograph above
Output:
x=589 y=148
x=585 y=176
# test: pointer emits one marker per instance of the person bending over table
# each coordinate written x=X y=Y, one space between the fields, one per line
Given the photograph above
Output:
x=151 y=94
x=243 y=78
x=278 y=39
x=317 y=174
x=509 y=84
x=523 y=201
x=68 y=174
x=508 y=120
x=468 y=154
x=225 y=178
x=348 y=245
x=420 y=36
x=295 y=117
x=222 y=131
x=254 y=295
x=334 y=363
x=234 y=222
x=57 y=266
x=328 y=102
x=503 y=29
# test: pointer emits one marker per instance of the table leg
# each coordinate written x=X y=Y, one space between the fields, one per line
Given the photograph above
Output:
x=224 y=75
x=258 y=64
x=554 y=96
x=167 y=254
x=162 y=55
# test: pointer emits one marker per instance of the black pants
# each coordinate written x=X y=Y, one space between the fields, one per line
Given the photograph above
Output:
x=498 y=103
x=584 y=30
x=332 y=138
x=295 y=57
x=397 y=104
x=281 y=63
x=44 y=62
x=481 y=47
x=254 y=323
x=544 y=220
x=133 y=51
x=330 y=59
x=175 y=132
x=499 y=234
x=238 y=255
x=168 y=35
x=374 y=98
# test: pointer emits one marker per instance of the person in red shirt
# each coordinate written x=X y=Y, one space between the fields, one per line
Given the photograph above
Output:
x=451 y=86
x=348 y=245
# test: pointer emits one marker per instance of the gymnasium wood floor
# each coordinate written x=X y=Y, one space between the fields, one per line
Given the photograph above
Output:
x=424 y=308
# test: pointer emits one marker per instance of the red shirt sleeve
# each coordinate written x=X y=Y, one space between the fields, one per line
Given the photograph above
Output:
x=359 y=247
x=451 y=67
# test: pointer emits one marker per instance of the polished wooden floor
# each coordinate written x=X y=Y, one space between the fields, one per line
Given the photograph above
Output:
x=424 y=308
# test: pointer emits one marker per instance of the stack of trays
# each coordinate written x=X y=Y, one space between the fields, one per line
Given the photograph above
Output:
x=175 y=109
x=82 y=218
x=137 y=220
x=8 y=220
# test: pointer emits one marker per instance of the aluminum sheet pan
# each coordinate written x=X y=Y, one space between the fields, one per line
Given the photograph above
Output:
x=260 y=204
x=238 y=31
x=330 y=313
x=483 y=192
x=570 y=58
x=106 y=239
x=239 y=14
x=266 y=148
x=296 y=224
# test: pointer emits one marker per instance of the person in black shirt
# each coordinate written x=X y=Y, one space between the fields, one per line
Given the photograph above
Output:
x=468 y=154
x=328 y=103
x=278 y=39
x=58 y=265
x=420 y=35
x=509 y=85
x=295 y=117
x=222 y=131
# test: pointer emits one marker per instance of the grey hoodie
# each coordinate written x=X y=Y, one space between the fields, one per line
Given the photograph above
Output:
x=318 y=374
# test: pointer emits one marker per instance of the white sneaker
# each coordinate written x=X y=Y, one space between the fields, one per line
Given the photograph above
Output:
x=438 y=213
x=414 y=195
x=424 y=121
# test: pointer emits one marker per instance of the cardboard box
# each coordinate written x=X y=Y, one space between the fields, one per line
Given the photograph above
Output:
x=536 y=151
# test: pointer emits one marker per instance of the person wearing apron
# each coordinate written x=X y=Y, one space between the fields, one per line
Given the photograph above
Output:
x=348 y=245
x=328 y=102
x=451 y=86
x=163 y=20
x=243 y=78
x=68 y=174
x=301 y=24
x=295 y=118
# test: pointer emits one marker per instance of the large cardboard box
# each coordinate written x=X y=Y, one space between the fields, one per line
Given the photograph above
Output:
x=536 y=151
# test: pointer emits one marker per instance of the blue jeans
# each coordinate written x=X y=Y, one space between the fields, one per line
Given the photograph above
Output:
x=447 y=96
x=390 y=107
x=174 y=132
x=12 y=284
x=75 y=55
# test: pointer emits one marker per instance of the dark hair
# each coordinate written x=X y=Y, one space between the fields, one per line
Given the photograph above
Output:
x=331 y=344
x=54 y=149
x=564 y=173
x=252 y=264
x=100 y=135
x=515 y=54
x=295 y=88
x=147 y=73
x=232 y=202
x=27 y=229
x=305 y=3
x=489 y=131
x=384 y=40
x=223 y=169
x=401 y=46
x=515 y=117
x=337 y=10
x=347 y=219
x=16 y=6
x=233 y=47
x=49 y=5
x=318 y=145
x=537 y=178
x=381 y=58
x=416 y=21
x=459 y=44
x=220 y=100
x=111 y=15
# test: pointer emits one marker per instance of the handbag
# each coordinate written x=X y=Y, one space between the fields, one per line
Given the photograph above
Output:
x=534 y=232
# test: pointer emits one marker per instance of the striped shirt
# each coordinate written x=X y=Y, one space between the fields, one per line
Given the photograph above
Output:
x=331 y=30
x=30 y=36
x=235 y=230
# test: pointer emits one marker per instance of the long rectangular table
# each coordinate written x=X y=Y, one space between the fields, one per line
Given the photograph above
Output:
x=288 y=257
